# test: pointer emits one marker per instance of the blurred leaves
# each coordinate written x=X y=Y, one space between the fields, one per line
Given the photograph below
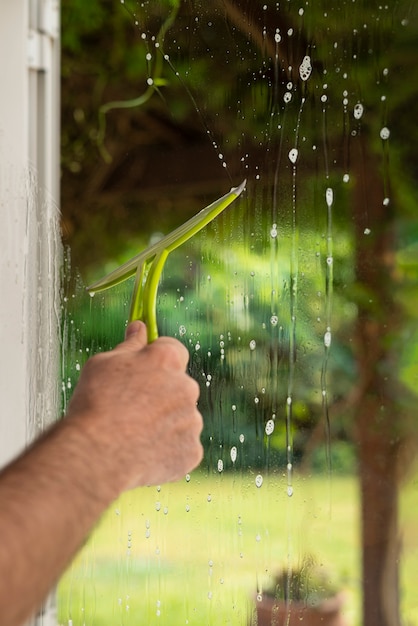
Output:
x=229 y=95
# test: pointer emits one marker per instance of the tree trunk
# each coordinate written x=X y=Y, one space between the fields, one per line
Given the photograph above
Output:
x=379 y=519
x=377 y=418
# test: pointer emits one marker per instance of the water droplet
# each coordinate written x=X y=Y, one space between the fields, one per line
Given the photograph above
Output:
x=187 y=508
x=258 y=480
x=358 y=111
x=258 y=537
x=386 y=201
x=277 y=37
x=197 y=346
x=148 y=56
x=287 y=97
x=92 y=294
x=330 y=260
x=234 y=407
x=241 y=438
x=274 y=320
x=324 y=98
x=269 y=427
x=233 y=454
x=290 y=491
x=367 y=231
x=220 y=465
x=256 y=400
x=150 y=81
x=305 y=68
x=273 y=231
x=253 y=344
x=187 y=478
x=293 y=155
x=209 y=498
x=158 y=506
x=385 y=133
x=329 y=196
x=327 y=339
x=346 y=178
x=289 y=401
x=182 y=330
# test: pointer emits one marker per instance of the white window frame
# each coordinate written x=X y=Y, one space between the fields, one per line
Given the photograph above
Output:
x=30 y=248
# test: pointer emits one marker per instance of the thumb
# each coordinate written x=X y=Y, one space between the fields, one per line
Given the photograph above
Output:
x=135 y=336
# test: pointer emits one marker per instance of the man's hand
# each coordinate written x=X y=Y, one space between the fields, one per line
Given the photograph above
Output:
x=132 y=421
x=137 y=405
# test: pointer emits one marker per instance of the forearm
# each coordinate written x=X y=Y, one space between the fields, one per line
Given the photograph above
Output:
x=50 y=499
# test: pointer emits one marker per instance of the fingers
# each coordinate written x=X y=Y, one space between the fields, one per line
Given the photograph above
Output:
x=133 y=328
x=172 y=351
x=135 y=337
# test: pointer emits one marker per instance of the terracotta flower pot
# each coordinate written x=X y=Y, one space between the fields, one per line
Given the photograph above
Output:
x=272 y=612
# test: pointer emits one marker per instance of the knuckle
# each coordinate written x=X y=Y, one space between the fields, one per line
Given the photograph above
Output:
x=194 y=387
x=95 y=361
x=171 y=351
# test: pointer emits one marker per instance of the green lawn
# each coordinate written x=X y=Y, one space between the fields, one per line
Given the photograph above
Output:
x=195 y=552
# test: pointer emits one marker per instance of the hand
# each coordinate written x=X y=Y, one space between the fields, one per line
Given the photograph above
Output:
x=137 y=405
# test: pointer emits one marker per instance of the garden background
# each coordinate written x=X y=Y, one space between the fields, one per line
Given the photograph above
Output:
x=298 y=304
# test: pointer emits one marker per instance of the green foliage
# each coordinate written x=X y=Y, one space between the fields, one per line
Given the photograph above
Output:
x=247 y=79
x=227 y=87
x=80 y=20
x=339 y=455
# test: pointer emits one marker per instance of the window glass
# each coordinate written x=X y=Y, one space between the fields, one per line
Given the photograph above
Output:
x=297 y=304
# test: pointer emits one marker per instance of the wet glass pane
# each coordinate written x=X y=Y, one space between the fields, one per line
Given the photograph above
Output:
x=297 y=304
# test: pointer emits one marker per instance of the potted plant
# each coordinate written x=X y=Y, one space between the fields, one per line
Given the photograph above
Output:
x=300 y=596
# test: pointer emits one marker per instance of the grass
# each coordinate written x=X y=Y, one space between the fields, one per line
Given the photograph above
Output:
x=196 y=552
